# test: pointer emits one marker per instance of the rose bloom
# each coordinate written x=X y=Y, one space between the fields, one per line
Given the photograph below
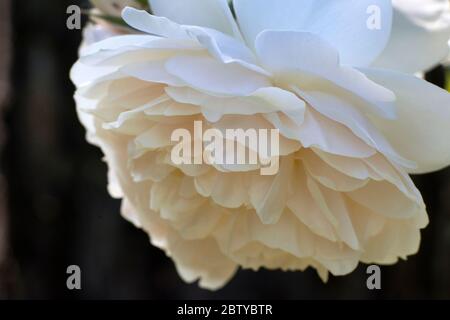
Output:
x=351 y=130
x=421 y=28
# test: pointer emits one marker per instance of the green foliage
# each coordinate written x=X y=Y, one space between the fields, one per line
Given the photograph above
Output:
x=447 y=72
x=109 y=10
x=143 y=3
x=113 y=20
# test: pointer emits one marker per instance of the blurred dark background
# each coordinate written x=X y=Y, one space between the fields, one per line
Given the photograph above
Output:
x=55 y=210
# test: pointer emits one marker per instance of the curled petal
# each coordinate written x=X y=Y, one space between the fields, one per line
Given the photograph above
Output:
x=422 y=29
x=421 y=131
x=343 y=24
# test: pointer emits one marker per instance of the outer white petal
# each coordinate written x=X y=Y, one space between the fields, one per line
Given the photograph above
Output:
x=348 y=114
x=210 y=75
x=308 y=61
x=214 y=14
x=320 y=132
x=419 y=39
x=422 y=130
x=94 y=33
x=222 y=46
x=81 y=74
x=344 y=24
x=160 y=26
x=264 y=100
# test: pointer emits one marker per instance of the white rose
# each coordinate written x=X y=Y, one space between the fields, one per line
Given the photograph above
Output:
x=420 y=34
x=351 y=133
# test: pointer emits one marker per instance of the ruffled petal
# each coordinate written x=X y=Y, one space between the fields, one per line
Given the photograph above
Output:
x=421 y=28
x=311 y=63
x=346 y=25
x=222 y=46
x=422 y=130
x=209 y=75
x=214 y=14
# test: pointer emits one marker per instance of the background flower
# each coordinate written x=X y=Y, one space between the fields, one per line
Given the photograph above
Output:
x=420 y=29
x=350 y=134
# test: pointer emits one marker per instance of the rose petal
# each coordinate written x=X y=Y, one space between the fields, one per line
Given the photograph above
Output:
x=344 y=24
x=214 y=14
x=422 y=130
x=310 y=62
x=422 y=29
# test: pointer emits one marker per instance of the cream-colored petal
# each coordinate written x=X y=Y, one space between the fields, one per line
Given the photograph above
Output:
x=421 y=130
